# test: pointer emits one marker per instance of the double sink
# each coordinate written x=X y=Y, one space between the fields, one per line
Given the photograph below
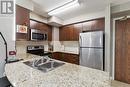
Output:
x=44 y=64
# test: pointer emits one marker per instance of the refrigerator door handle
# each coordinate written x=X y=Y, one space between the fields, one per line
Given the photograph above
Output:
x=80 y=52
x=80 y=41
x=80 y=56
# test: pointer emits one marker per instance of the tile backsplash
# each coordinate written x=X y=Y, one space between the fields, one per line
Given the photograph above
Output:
x=71 y=45
x=66 y=46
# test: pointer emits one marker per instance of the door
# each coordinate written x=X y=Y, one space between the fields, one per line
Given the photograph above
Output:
x=122 y=50
x=91 y=57
x=91 y=39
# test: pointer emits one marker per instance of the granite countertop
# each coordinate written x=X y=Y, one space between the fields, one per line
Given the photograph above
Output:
x=68 y=75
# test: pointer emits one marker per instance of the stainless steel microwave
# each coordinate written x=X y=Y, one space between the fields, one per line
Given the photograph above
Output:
x=38 y=35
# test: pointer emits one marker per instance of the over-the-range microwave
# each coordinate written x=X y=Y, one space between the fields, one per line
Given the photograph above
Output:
x=38 y=35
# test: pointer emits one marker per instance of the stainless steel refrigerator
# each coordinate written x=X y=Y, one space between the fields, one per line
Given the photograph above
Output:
x=91 y=50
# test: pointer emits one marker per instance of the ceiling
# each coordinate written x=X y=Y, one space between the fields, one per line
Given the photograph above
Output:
x=42 y=7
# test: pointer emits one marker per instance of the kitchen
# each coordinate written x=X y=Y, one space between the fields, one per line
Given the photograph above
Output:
x=58 y=49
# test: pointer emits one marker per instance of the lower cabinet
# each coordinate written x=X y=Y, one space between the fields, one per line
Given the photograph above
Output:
x=67 y=57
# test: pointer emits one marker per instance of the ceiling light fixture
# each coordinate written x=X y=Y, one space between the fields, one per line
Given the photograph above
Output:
x=69 y=5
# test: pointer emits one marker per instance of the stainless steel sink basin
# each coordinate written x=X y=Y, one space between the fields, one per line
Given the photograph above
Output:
x=50 y=66
x=44 y=65
x=36 y=63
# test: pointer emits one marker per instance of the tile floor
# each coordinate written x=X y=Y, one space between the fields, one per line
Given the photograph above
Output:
x=119 y=84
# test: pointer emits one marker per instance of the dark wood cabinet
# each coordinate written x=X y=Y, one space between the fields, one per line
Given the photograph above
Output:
x=77 y=31
x=71 y=32
x=57 y=55
x=67 y=57
x=50 y=33
x=43 y=27
x=99 y=24
x=71 y=58
x=94 y=25
x=87 y=26
x=22 y=18
x=66 y=33
x=62 y=34
x=33 y=24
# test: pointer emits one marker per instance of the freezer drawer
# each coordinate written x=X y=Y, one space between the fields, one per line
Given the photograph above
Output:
x=91 y=39
x=92 y=58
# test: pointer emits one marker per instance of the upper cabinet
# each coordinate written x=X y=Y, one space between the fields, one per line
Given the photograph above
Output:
x=33 y=24
x=77 y=30
x=71 y=32
x=22 y=18
x=94 y=25
x=66 y=33
x=43 y=27
x=87 y=26
x=50 y=33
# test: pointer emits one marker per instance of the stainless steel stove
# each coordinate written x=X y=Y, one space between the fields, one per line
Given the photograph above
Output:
x=37 y=50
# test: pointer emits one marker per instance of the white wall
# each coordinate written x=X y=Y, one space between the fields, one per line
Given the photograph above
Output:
x=107 y=38
x=55 y=34
x=7 y=28
x=121 y=7
x=55 y=39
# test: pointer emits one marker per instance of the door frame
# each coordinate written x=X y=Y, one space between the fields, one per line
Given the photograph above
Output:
x=113 y=44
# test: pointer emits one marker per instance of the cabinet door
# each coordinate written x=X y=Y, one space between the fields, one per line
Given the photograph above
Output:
x=63 y=33
x=66 y=33
x=77 y=30
x=75 y=59
x=87 y=26
x=33 y=24
x=22 y=18
x=50 y=33
x=94 y=25
x=70 y=33
x=44 y=27
x=71 y=58
x=99 y=24
x=57 y=55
